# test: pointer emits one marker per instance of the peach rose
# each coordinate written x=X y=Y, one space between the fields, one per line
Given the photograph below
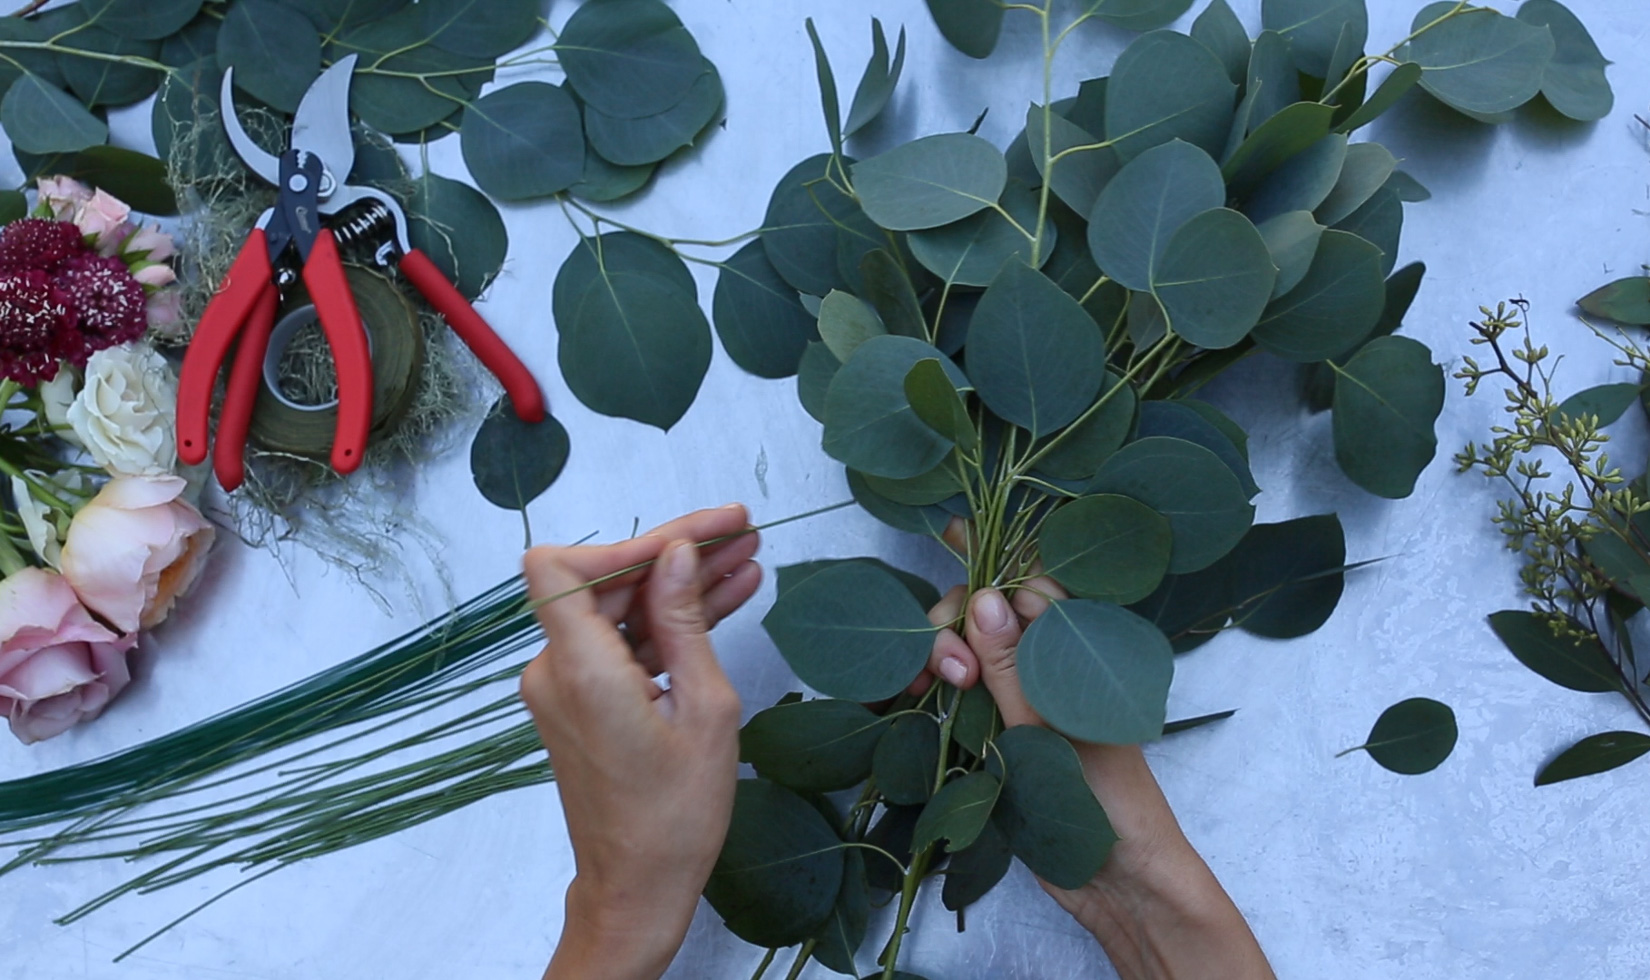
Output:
x=134 y=548
x=58 y=667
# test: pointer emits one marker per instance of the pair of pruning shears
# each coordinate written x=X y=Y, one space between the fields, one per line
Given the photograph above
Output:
x=310 y=176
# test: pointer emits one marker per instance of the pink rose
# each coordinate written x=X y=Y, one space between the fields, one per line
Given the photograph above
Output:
x=134 y=548
x=166 y=313
x=154 y=274
x=64 y=195
x=158 y=244
x=58 y=667
x=103 y=220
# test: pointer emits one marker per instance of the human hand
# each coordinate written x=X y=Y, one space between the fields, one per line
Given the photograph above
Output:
x=1155 y=906
x=646 y=775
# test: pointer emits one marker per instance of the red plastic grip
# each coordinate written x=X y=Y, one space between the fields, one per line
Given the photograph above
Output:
x=235 y=420
x=248 y=280
x=525 y=395
x=341 y=321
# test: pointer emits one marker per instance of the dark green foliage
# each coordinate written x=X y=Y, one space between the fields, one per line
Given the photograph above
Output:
x=1412 y=737
x=512 y=461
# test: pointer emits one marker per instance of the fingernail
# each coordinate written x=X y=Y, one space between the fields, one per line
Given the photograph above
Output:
x=990 y=611
x=733 y=507
x=678 y=562
x=954 y=671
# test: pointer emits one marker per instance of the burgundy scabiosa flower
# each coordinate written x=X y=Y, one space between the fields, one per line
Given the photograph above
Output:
x=37 y=327
x=112 y=306
x=39 y=243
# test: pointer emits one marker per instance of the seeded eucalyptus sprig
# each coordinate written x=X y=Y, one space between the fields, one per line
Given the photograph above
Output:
x=1581 y=527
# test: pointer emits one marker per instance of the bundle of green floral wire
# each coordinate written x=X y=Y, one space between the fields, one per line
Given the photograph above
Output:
x=390 y=739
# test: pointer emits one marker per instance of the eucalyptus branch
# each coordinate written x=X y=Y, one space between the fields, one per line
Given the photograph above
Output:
x=1363 y=64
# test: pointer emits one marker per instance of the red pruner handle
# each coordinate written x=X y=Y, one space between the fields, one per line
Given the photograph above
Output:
x=341 y=322
x=519 y=383
x=229 y=454
x=248 y=279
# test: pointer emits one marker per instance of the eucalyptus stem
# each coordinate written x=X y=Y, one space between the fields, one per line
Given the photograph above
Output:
x=907 y=900
x=762 y=967
x=1366 y=62
x=803 y=955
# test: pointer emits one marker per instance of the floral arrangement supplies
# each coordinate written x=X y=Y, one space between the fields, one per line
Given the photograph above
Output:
x=99 y=534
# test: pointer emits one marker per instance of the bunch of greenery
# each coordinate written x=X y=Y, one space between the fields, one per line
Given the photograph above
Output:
x=1582 y=527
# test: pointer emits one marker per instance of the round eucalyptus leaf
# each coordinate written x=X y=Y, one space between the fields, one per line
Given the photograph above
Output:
x=1292 y=239
x=274 y=50
x=1166 y=86
x=1387 y=398
x=1339 y=301
x=1076 y=178
x=1394 y=87
x=930 y=181
x=100 y=81
x=906 y=758
x=1084 y=446
x=1367 y=168
x=1097 y=672
x=512 y=461
x=1594 y=754
x=1191 y=609
x=1574 y=83
x=1047 y=811
x=629 y=58
x=972 y=251
x=929 y=521
x=1219 y=30
x=459 y=229
x=852 y=631
x=763 y=327
x=144 y=19
x=806 y=216
x=633 y=342
x=1145 y=204
x=845 y=322
x=480 y=28
x=1580 y=665
x=1106 y=547
x=418 y=86
x=976 y=869
x=604 y=182
x=920 y=588
x=780 y=869
x=1413 y=736
x=523 y=141
x=1314 y=27
x=1036 y=356
x=1287 y=578
x=813 y=377
x=815 y=746
x=642 y=140
x=1479 y=60
x=1302 y=183
x=1186 y=483
x=1203 y=424
x=957 y=813
x=39 y=117
x=1142 y=15
x=1380 y=222
x=972 y=26
x=1214 y=279
x=869 y=424
x=937 y=485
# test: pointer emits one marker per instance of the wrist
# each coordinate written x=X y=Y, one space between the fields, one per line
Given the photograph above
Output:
x=606 y=938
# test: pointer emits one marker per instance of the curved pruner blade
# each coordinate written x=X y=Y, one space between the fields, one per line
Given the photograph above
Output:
x=260 y=162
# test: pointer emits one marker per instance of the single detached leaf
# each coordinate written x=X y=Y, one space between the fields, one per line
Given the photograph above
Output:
x=763 y=326
x=1594 y=754
x=524 y=141
x=275 y=52
x=1387 y=398
x=1606 y=403
x=1337 y=303
x=1479 y=60
x=1097 y=671
x=1300 y=184
x=972 y=251
x=512 y=461
x=1214 y=279
x=1367 y=167
x=1149 y=200
x=976 y=869
x=628 y=58
x=936 y=401
x=1624 y=301
x=1106 y=547
x=1037 y=357
x=930 y=181
x=869 y=423
x=1047 y=811
x=1314 y=28
x=907 y=756
x=1394 y=87
x=876 y=86
x=1166 y=86
x=1219 y=30
x=1580 y=665
x=42 y=118
x=780 y=870
x=845 y=322
x=972 y=26
x=1292 y=240
x=1287 y=578
x=1412 y=737
x=814 y=746
x=1574 y=83
x=957 y=813
x=1186 y=483
x=852 y=631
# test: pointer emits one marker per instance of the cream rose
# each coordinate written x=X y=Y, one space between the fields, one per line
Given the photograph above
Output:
x=124 y=414
x=58 y=667
x=134 y=549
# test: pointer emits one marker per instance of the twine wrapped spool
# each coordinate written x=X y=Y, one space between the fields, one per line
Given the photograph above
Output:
x=397 y=341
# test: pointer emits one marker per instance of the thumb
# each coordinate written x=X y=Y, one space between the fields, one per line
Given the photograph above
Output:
x=993 y=633
x=678 y=627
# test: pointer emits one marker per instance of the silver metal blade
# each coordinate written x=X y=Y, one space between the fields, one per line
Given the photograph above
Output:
x=322 y=124
x=265 y=165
